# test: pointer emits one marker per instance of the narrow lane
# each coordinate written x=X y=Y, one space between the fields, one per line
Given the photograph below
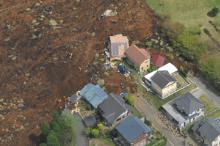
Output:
x=152 y=114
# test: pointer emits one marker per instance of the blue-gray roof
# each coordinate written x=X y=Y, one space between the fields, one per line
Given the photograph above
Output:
x=208 y=129
x=132 y=128
x=93 y=94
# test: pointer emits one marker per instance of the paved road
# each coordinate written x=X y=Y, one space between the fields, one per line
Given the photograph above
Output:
x=203 y=89
x=152 y=114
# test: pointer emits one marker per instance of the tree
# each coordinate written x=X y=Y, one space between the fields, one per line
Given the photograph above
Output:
x=45 y=128
x=52 y=139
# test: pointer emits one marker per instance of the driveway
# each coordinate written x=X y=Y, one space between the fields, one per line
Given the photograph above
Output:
x=151 y=114
x=207 y=91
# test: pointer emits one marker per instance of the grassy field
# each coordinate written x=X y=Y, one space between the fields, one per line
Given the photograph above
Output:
x=190 y=17
x=187 y=20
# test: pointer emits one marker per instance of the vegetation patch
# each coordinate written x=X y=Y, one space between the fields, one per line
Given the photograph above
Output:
x=193 y=30
x=209 y=105
x=60 y=131
x=215 y=114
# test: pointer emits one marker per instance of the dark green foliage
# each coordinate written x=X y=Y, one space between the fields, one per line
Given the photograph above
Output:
x=60 y=132
x=52 y=139
x=213 y=12
x=147 y=122
x=45 y=128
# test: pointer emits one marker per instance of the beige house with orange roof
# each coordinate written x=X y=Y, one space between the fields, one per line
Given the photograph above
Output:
x=139 y=57
x=117 y=46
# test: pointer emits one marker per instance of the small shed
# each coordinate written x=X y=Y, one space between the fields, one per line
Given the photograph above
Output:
x=90 y=121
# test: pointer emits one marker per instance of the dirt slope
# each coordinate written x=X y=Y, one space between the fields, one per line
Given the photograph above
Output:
x=48 y=49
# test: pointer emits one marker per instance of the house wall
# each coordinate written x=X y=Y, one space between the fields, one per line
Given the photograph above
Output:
x=181 y=126
x=121 y=117
x=216 y=142
x=165 y=92
x=145 y=65
x=141 y=141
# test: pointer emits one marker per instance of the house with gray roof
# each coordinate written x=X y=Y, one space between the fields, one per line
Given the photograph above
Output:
x=113 y=110
x=132 y=132
x=163 y=83
x=183 y=110
x=207 y=132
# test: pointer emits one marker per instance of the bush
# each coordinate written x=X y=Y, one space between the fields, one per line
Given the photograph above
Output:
x=129 y=99
x=100 y=126
x=213 y=12
x=94 y=133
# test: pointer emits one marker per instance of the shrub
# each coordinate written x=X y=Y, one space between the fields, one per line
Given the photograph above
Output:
x=52 y=139
x=213 y=12
x=129 y=99
x=95 y=133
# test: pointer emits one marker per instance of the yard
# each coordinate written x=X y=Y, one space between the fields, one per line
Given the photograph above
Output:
x=153 y=98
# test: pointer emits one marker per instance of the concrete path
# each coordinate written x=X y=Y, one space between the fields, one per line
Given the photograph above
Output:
x=81 y=139
x=205 y=90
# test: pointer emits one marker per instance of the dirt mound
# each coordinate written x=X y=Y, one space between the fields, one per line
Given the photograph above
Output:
x=48 y=49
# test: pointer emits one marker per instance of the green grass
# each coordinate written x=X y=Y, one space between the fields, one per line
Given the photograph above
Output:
x=209 y=105
x=215 y=114
x=187 y=12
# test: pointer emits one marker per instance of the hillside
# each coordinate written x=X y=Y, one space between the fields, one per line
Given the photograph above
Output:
x=191 y=23
x=50 y=49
